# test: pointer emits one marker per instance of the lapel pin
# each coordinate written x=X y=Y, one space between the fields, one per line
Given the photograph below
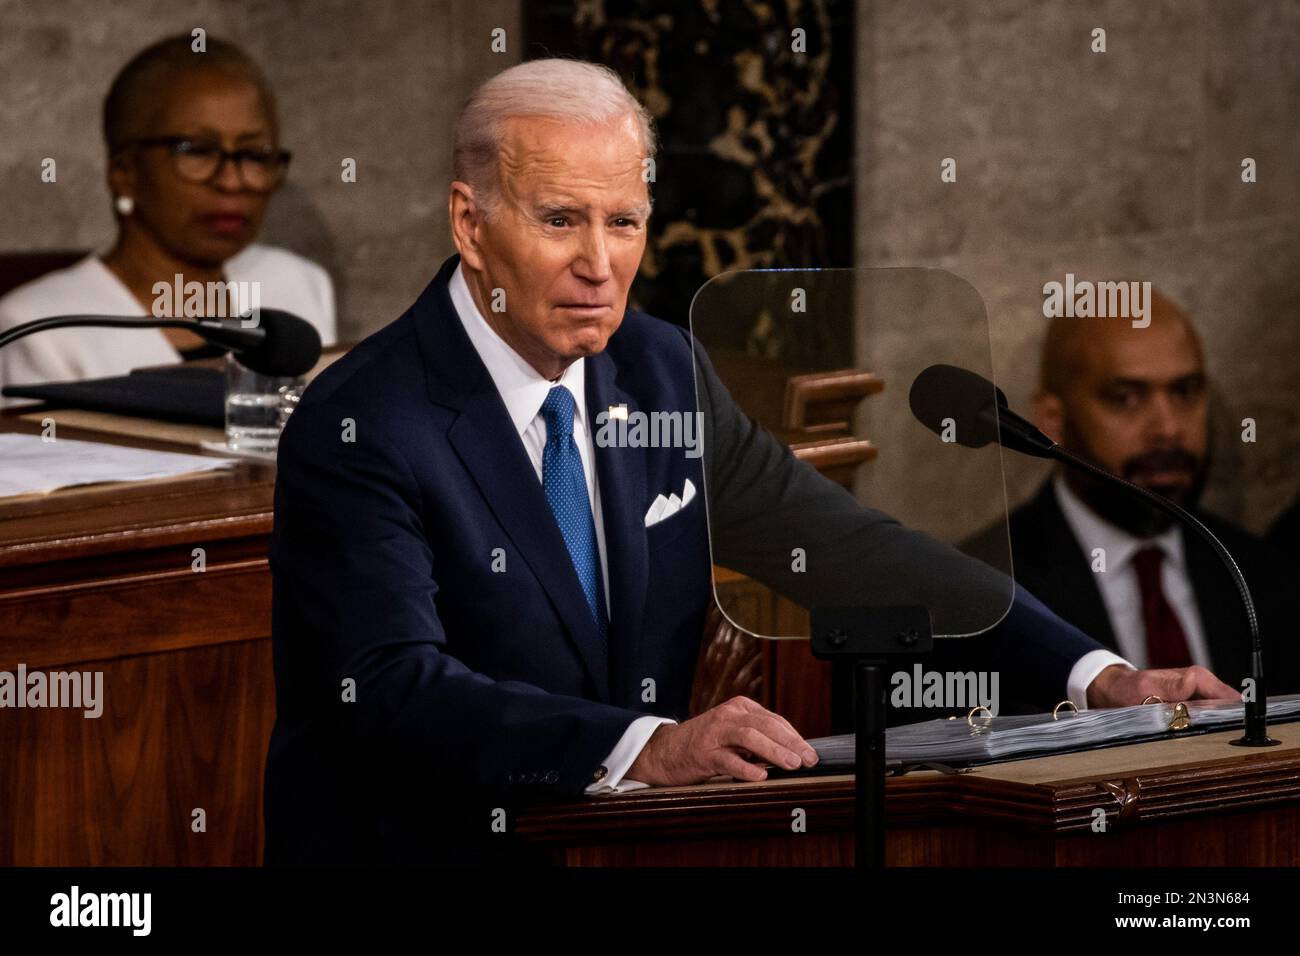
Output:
x=618 y=413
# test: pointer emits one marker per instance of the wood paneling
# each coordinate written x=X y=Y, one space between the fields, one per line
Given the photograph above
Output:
x=180 y=731
x=102 y=579
x=1190 y=802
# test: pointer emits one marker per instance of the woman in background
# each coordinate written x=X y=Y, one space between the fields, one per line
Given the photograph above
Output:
x=193 y=158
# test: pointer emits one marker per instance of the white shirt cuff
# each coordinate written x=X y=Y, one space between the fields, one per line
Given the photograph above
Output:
x=1085 y=671
x=624 y=754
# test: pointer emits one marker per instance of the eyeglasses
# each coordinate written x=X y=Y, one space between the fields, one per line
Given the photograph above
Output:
x=260 y=168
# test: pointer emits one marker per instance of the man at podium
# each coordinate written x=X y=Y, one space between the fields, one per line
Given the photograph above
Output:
x=474 y=602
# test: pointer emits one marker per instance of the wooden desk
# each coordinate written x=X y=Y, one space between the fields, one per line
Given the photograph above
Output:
x=101 y=579
x=1194 y=801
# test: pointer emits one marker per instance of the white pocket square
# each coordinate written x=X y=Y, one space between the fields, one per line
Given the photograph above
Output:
x=665 y=507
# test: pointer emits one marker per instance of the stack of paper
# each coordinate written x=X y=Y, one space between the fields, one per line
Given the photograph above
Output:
x=30 y=464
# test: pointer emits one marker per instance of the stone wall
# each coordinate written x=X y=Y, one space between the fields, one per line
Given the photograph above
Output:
x=378 y=82
x=1117 y=165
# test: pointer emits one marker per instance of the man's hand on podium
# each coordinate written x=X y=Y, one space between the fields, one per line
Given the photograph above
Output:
x=733 y=739
x=1119 y=686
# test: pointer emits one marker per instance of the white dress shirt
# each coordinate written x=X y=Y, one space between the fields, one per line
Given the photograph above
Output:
x=523 y=390
x=285 y=281
x=1120 y=592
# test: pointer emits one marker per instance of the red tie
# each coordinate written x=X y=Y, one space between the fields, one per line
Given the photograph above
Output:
x=1166 y=640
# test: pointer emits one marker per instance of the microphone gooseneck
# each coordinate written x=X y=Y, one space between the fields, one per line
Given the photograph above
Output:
x=279 y=345
x=89 y=321
x=1256 y=734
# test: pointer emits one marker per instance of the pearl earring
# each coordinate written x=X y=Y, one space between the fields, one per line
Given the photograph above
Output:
x=124 y=205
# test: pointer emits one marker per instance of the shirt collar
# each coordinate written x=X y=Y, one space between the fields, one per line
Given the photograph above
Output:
x=522 y=387
x=1093 y=531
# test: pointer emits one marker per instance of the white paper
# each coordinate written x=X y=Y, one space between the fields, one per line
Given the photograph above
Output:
x=29 y=464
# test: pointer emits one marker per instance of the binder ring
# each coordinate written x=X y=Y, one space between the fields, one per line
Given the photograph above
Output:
x=970 y=719
x=1064 y=703
x=1150 y=698
x=1180 y=719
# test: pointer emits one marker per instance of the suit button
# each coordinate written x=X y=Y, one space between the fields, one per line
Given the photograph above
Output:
x=551 y=777
x=600 y=774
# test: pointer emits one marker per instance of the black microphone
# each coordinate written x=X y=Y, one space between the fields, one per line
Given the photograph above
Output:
x=280 y=344
x=978 y=411
x=945 y=397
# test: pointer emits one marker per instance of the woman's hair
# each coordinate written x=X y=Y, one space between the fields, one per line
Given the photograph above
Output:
x=558 y=88
x=137 y=86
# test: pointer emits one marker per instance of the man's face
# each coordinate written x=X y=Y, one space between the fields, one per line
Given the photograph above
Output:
x=1138 y=408
x=566 y=239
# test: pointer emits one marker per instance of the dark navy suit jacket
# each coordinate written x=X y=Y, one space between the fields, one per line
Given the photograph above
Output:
x=435 y=658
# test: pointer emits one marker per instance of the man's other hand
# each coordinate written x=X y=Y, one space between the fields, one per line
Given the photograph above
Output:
x=1119 y=686
x=733 y=739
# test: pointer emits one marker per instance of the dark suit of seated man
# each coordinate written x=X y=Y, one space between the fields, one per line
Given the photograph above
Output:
x=476 y=604
x=1133 y=399
x=1284 y=535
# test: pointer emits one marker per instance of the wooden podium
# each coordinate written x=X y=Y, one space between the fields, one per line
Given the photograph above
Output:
x=1191 y=801
x=103 y=578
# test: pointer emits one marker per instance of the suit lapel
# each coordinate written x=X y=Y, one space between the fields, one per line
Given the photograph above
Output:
x=621 y=473
x=1072 y=586
x=484 y=439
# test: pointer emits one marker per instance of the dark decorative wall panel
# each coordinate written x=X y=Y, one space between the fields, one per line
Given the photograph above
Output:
x=755 y=166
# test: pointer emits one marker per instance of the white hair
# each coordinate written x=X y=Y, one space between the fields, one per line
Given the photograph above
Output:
x=559 y=88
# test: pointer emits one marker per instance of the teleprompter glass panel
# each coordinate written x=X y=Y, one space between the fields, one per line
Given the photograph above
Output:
x=867 y=508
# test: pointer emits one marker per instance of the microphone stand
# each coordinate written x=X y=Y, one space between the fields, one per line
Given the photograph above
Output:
x=1018 y=434
x=1256 y=732
x=276 y=343
x=235 y=338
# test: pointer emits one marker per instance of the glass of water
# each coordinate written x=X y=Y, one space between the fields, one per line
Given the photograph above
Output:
x=257 y=407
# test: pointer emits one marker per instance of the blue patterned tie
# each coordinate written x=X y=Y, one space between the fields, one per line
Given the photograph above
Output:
x=566 y=491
